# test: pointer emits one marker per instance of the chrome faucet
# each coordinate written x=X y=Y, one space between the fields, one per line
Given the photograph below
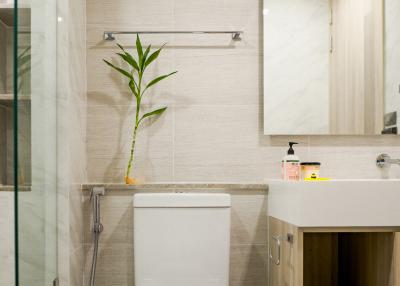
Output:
x=384 y=161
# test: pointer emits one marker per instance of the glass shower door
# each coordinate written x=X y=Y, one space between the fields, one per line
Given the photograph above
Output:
x=7 y=151
x=35 y=168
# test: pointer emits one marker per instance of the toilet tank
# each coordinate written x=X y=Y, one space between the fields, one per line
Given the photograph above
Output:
x=181 y=239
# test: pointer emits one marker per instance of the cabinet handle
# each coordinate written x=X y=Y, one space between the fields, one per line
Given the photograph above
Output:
x=277 y=261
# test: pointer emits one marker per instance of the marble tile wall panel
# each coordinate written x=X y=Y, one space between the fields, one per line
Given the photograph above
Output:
x=72 y=139
x=296 y=67
x=7 y=257
x=392 y=55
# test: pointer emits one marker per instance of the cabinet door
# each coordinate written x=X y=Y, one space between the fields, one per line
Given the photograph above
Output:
x=285 y=267
x=275 y=252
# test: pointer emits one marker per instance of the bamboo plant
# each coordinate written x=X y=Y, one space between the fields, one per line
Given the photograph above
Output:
x=137 y=86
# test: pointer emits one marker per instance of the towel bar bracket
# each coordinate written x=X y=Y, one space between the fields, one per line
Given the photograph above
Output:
x=110 y=35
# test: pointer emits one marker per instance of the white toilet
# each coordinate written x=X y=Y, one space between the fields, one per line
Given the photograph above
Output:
x=181 y=239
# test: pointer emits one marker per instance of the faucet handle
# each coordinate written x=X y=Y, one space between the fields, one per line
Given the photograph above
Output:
x=383 y=161
x=97 y=191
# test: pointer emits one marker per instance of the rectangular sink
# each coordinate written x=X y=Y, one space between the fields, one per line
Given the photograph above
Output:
x=336 y=203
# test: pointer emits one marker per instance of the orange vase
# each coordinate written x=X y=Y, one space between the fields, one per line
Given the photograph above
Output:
x=130 y=181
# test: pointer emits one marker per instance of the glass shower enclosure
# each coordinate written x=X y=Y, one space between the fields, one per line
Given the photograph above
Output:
x=28 y=166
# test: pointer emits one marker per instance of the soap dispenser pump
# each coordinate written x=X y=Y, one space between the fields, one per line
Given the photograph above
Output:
x=291 y=165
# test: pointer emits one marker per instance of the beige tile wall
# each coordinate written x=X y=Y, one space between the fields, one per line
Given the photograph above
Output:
x=115 y=261
x=212 y=130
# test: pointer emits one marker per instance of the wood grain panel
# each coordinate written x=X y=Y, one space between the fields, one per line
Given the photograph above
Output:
x=356 y=99
x=335 y=256
x=321 y=259
x=365 y=259
x=290 y=269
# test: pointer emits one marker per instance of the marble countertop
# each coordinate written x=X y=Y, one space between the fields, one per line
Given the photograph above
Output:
x=177 y=186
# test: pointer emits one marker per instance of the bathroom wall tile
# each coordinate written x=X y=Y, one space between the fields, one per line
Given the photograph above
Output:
x=214 y=15
x=229 y=70
x=335 y=165
x=249 y=219
x=235 y=75
x=116 y=122
x=115 y=264
x=217 y=144
x=109 y=143
x=117 y=215
x=113 y=171
x=139 y=13
x=355 y=141
x=248 y=265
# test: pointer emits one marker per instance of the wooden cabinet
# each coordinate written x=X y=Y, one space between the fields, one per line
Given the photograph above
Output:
x=285 y=255
x=332 y=256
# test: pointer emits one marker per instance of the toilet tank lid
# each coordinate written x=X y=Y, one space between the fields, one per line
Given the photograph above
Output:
x=181 y=200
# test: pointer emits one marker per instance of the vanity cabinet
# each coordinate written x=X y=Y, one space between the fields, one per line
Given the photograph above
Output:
x=311 y=256
x=283 y=238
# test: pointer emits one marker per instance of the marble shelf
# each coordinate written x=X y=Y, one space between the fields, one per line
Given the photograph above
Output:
x=178 y=186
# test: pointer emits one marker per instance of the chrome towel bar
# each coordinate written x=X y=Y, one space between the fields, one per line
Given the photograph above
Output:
x=110 y=35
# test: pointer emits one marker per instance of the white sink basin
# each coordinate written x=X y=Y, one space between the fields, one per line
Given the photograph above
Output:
x=337 y=203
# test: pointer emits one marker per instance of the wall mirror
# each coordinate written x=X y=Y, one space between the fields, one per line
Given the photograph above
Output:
x=331 y=67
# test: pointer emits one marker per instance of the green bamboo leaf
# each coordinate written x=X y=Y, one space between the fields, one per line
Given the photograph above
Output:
x=153 y=56
x=129 y=59
x=132 y=60
x=139 y=49
x=160 y=78
x=154 y=112
x=132 y=86
x=124 y=72
x=146 y=53
x=122 y=48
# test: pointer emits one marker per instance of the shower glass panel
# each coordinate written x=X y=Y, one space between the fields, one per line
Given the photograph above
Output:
x=29 y=167
x=7 y=249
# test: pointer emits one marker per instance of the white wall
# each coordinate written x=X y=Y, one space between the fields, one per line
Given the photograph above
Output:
x=213 y=129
